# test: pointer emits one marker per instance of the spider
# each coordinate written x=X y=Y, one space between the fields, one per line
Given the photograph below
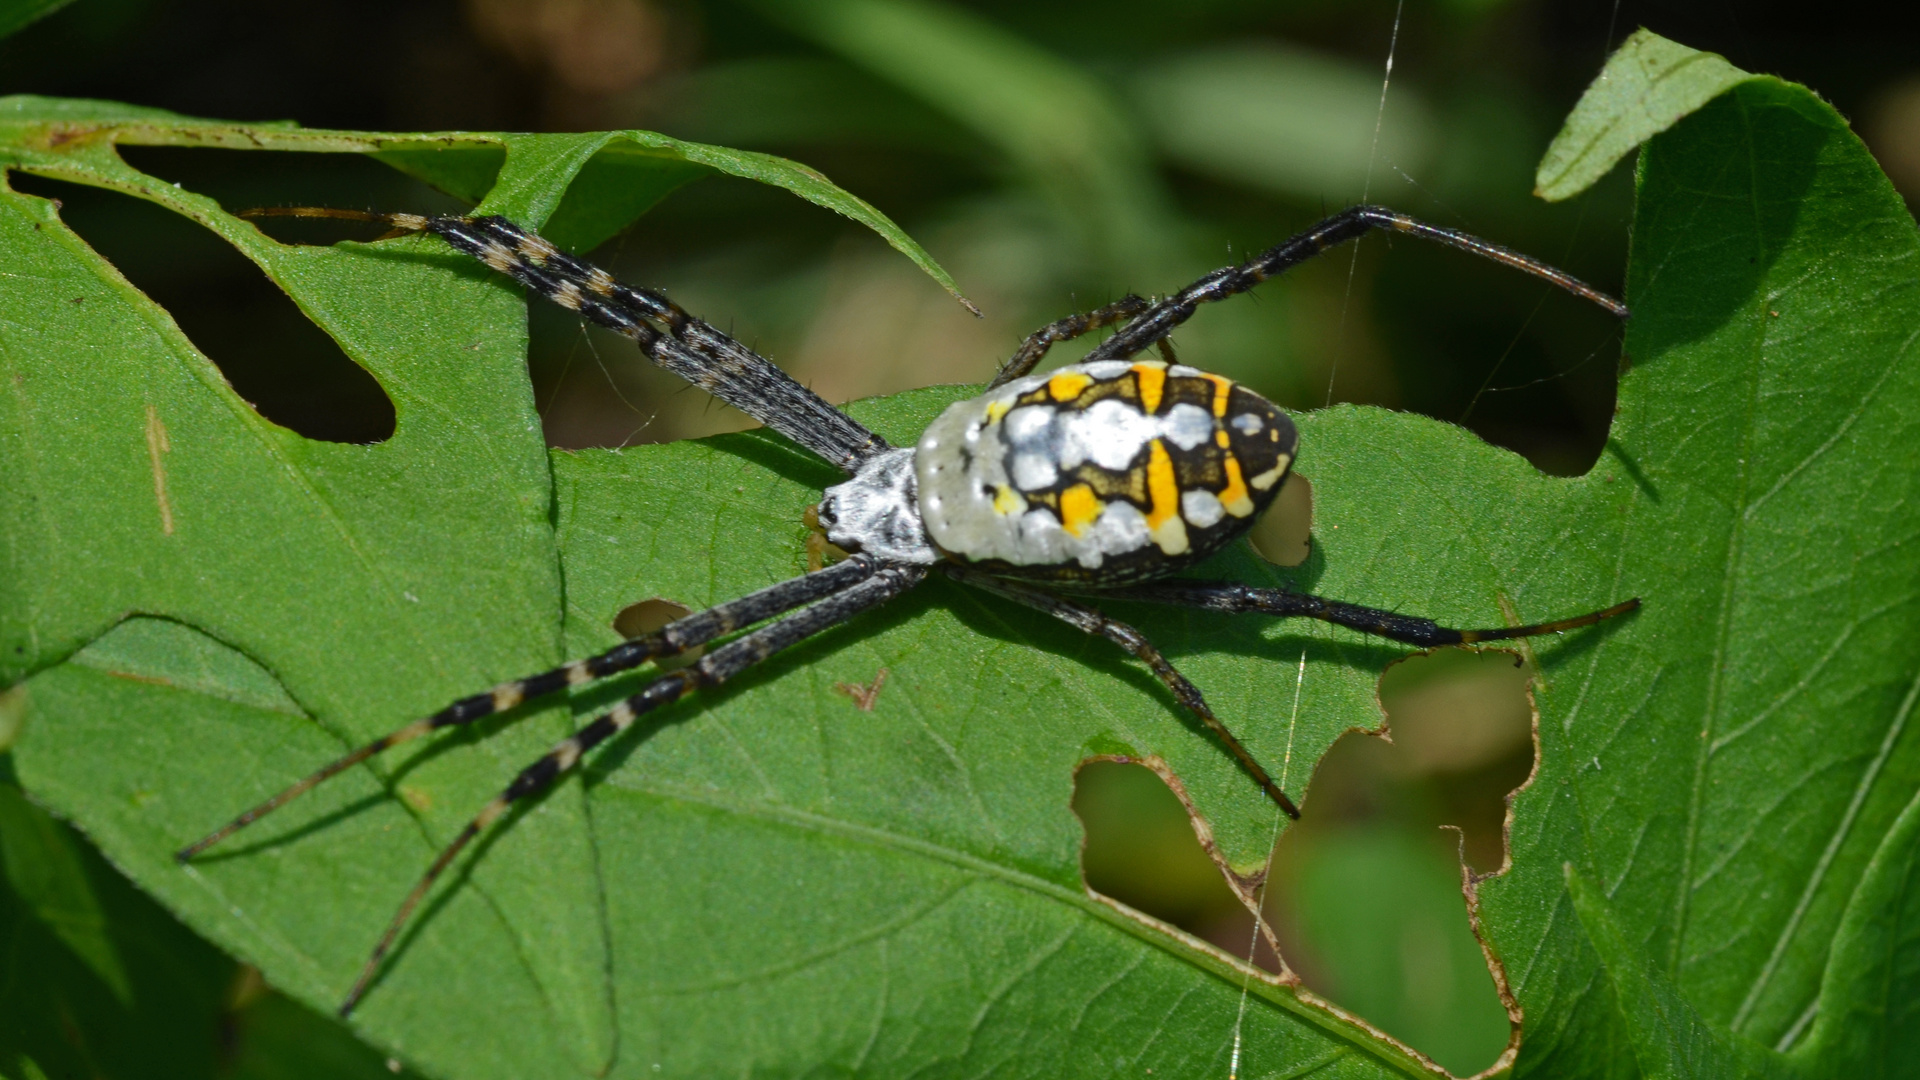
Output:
x=1104 y=477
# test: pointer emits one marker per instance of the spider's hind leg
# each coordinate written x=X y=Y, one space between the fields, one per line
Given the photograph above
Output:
x=875 y=586
x=671 y=640
x=1093 y=622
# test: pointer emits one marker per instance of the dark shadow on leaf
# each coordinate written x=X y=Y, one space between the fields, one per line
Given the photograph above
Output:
x=448 y=888
x=776 y=455
x=1697 y=154
x=328 y=820
x=241 y=180
x=1628 y=465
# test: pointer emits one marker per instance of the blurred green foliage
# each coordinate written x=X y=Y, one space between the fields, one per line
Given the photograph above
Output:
x=106 y=983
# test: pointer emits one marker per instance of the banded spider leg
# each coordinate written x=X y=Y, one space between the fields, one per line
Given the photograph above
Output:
x=836 y=594
x=687 y=346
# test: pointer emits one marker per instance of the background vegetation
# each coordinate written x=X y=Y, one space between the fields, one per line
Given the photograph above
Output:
x=1050 y=157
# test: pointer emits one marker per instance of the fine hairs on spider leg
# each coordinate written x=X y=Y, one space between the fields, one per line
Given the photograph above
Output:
x=1103 y=479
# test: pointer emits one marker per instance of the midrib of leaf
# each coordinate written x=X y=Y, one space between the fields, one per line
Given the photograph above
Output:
x=1189 y=950
x=1732 y=567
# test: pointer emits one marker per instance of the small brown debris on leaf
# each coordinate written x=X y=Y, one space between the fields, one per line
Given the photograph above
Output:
x=863 y=694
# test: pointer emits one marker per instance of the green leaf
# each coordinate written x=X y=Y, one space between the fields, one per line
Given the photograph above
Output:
x=1669 y=1038
x=769 y=879
x=323 y=521
x=1648 y=85
x=1730 y=770
x=529 y=176
x=16 y=15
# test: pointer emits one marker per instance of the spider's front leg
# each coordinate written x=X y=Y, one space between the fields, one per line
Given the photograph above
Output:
x=1032 y=350
x=673 y=639
x=1093 y=622
x=1155 y=323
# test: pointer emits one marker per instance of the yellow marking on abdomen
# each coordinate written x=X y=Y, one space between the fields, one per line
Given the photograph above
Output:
x=1153 y=383
x=1007 y=501
x=1234 y=496
x=1267 y=479
x=1164 y=523
x=1067 y=385
x=1222 y=389
x=1220 y=438
x=996 y=410
x=1079 y=507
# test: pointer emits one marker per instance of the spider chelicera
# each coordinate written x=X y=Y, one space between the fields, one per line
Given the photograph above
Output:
x=1103 y=477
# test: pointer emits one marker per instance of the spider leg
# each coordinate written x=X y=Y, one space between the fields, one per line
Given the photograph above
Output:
x=1232 y=596
x=883 y=583
x=1093 y=622
x=670 y=640
x=690 y=348
x=1160 y=320
x=1030 y=352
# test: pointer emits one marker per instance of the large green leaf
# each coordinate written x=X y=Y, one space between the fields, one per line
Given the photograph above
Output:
x=1728 y=771
x=770 y=880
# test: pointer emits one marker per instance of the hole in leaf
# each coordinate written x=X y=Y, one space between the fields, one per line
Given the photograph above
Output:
x=273 y=356
x=241 y=179
x=649 y=616
x=1364 y=893
x=1284 y=534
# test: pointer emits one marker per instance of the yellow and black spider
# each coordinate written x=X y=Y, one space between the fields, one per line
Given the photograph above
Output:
x=1105 y=477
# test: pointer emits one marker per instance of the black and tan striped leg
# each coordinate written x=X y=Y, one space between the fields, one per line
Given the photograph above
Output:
x=1160 y=320
x=673 y=639
x=882 y=583
x=689 y=347
x=1093 y=622
x=1034 y=349
x=1230 y=596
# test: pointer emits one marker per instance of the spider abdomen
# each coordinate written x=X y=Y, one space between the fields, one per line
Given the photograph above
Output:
x=1102 y=472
